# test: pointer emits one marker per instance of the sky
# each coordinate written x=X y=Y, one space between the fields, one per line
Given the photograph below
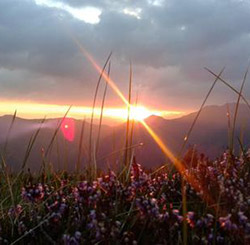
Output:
x=167 y=42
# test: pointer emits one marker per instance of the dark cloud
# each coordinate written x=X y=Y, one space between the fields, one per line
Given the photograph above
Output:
x=168 y=43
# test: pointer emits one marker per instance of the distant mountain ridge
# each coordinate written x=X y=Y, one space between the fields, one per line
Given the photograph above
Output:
x=210 y=135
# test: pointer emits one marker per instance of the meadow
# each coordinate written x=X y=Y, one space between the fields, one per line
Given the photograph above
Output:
x=190 y=200
x=138 y=208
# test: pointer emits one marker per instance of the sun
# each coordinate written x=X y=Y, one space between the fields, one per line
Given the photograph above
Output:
x=139 y=113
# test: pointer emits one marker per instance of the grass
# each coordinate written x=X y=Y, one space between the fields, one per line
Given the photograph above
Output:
x=198 y=113
x=102 y=108
x=145 y=210
x=80 y=146
x=93 y=107
x=236 y=109
x=131 y=205
x=9 y=131
x=127 y=156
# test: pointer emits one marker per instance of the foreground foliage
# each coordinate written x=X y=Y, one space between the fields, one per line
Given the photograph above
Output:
x=140 y=208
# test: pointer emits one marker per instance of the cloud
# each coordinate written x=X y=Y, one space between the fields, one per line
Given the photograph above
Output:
x=87 y=14
x=168 y=42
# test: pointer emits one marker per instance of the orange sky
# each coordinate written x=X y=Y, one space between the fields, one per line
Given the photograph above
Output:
x=37 y=110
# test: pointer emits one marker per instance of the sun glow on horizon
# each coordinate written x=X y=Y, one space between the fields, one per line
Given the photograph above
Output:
x=37 y=110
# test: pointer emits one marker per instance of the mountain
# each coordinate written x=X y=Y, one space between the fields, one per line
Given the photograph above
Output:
x=63 y=154
x=210 y=136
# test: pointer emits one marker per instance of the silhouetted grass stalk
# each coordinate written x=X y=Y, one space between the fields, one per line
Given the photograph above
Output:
x=28 y=151
x=7 y=177
x=30 y=147
x=56 y=132
x=229 y=127
x=184 y=198
x=9 y=131
x=132 y=130
x=46 y=218
x=241 y=138
x=128 y=117
x=184 y=210
x=236 y=109
x=80 y=146
x=93 y=109
x=199 y=112
x=101 y=115
x=231 y=87
x=119 y=151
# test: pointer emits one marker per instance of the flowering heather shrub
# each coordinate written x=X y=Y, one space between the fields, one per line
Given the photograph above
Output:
x=147 y=209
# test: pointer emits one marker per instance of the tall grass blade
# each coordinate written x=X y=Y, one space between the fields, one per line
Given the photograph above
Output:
x=241 y=145
x=132 y=129
x=237 y=107
x=119 y=151
x=94 y=174
x=198 y=113
x=131 y=159
x=80 y=146
x=6 y=174
x=29 y=148
x=45 y=220
x=101 y=116
x=56 y=132
x=241 y=138
x=229 y=126
x=28 y=151
x=9 y=131
x=184 y=210
x=93 y=107
x=128 y=118
x=66 y=155
x=58 y=153
x=114 y=146
x=228 y=85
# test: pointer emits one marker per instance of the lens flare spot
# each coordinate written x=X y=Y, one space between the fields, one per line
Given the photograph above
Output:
x=68 y=129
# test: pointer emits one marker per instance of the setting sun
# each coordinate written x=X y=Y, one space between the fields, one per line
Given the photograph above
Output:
x=139 y=113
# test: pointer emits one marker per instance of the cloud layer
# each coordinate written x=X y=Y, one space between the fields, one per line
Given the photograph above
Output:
x=168 y=42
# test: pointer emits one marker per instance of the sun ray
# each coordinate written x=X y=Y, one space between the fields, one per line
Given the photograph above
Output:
x=163 y=147
x=179 y=166
x=99 y=70
x=191 y=179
